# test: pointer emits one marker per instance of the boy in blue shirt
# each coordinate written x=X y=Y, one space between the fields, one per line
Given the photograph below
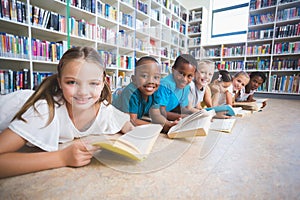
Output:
x=172 y=95
x=137 y=97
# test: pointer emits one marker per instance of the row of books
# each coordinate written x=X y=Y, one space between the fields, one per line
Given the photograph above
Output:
x=107 y=11
x=261 y=18
x=125 y=40
x=126 y=19
x=165 y=19
x=230 y=65
x=126 y=62
x=233 y=51
x=257 y=4
x=194 y=29
x=88 y=5
x=107 y=35
x=48 y=51
x=213 y=52
x=260 y=34
x=286 y=64
x=196 y=52
x=154 y=14
x=195 y=15
x=287 y=30
x=109 y=58
x=194 y=41
x=14 y=46
x=259 y=64
x=259 y=49
x=141 y=6
x=14 y=80
x=13 y=10
x=289 y=13
x=47 y=19
x=287 y=47
x=285 y=83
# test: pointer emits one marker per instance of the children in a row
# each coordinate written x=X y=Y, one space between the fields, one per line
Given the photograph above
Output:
x=75 y=102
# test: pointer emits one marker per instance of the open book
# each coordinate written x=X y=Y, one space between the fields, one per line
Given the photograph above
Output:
x=223 y=125
x=253 y=106
x=196 y=124
x=136 y=144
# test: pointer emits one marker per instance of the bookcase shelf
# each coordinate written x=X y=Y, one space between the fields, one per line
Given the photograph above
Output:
x=121 y=30
x=195 y=30
x=272 y=46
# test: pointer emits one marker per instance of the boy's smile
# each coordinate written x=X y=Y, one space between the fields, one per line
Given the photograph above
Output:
x=147 y=78
x=183 y=74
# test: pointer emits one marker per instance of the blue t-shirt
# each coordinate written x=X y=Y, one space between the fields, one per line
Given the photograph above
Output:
x=131 y=101
x=170 y=96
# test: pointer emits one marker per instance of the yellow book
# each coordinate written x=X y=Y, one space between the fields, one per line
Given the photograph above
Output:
x=136 y=144
x=223 y=125
x=196 y=124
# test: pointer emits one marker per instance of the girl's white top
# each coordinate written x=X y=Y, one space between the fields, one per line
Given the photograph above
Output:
x=222 y=96
x=196 y=96
x=109 y=120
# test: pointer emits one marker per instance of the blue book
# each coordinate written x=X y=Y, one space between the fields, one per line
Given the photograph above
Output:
x=223 y=108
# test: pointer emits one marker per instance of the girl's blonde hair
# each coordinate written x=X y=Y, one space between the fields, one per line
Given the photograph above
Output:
x=208 y=63
x=241 y=73
x=49 y=88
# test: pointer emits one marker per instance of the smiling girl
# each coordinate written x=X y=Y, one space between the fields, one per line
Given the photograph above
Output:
x=199 y=89
x=73 y=103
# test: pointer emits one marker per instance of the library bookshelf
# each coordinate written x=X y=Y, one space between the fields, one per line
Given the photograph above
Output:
x=196 y=29
x=34 y=35
x=272 y=46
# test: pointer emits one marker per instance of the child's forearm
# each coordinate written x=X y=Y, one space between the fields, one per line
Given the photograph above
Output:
x=215 y=99
x=15 y=163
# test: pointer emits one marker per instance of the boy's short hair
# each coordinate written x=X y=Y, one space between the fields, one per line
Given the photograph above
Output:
x=185 y=58
x=143 y=59
x=260 y=74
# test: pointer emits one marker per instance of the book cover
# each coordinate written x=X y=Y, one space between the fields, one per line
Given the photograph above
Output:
x=223 y=108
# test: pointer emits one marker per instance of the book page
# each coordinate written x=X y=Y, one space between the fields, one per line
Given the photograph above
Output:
x=224 y=125
x=191 y=128
x=186 y=120
x=141 y=138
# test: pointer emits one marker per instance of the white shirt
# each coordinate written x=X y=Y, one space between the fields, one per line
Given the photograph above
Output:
x=222 y=96
x=196 y=96
x=243 y=95
x=10 y=104
x=109 y=120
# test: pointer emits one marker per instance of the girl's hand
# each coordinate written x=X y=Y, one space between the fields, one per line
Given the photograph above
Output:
x=77 y=154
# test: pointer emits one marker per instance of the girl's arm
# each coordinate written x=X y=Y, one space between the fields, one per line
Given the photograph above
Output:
x=15 y=163
x=207 y=97
x=229 y=99
x=215 y=94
